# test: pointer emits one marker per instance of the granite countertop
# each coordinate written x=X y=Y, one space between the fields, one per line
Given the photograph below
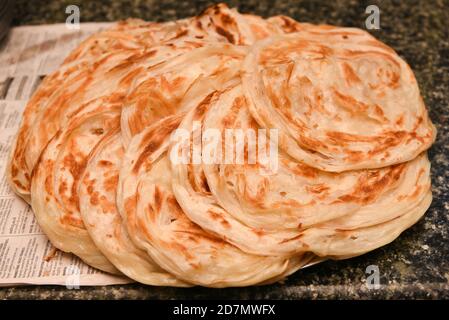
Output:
x=416 y=265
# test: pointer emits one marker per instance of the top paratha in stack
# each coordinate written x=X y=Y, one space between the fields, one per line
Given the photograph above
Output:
x=270 y=213
x=340 y=99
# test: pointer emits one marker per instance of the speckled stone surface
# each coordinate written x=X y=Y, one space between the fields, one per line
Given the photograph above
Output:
x=416 y=265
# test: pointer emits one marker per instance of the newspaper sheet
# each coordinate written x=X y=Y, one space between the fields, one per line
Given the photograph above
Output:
x=26 y=255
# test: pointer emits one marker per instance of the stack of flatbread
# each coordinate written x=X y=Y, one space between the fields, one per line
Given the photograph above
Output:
x=107 y=153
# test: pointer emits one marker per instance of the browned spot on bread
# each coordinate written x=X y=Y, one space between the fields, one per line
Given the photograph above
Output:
x=63 y=187
x=154 y=139
x=106 y=205
x=19 y=184
x=133 y=59
x=97 y=131
x=304 y=170
x=400 y=120
x=158 y=198
x=195 y=265
x=258 y=232
x=279 y=102
x=151 y=147
x=322 y=52
x=354 y=155
x=218 y=8
x=191 y=177
x=48 y=164
x=14 y=170
x=194 y=44
x=127 y=80
x=94 y=198
x=291 y=203
x=350 y=75
x=49 y=183
x=228 y=35
x=193 y=239
x=219 y=218
x=69 y=219
x=174 y=207
x=130 y=204
x=289 y=25
x=370 y=185
x=110 y=184
x=105 y=163
x=181 y=33
x=317 y=188
x=203 y=106
x=225 y=224
x=416 y=192
x=141 y=224
x=178 y=247
x=76 y=169
x=231 y=116
x=226 y=19
x=380 y=113
x=204 y=185
x=349 y=103
x=388 y=140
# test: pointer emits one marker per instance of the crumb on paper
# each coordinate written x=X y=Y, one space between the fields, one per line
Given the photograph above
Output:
x=51 y=254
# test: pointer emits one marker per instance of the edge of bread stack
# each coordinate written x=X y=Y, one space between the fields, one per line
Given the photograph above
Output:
x=93 y=155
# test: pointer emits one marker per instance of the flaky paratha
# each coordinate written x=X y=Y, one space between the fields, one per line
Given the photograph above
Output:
x=99 y=66
x=83 y=75
x=18 y=172
x=266 y=212
x=97 y=196
x=71 y=79
x=156 y=223
x=350 y=173
x=56 y=177
x=59 y=99
x=172 y=86
x=341 y=99
x=333 y=240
